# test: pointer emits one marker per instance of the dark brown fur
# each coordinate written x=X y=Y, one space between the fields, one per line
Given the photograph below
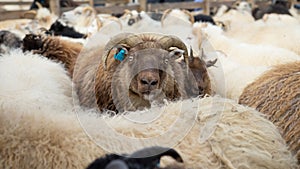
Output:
x=54 y=48
x=277 y=94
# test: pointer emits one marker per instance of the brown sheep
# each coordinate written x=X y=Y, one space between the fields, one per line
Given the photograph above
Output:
x=277 y=94
x=53 y=48
x=149 y=71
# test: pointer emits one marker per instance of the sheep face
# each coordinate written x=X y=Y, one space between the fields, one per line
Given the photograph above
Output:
x=147 y=76
x=80 y=16
x=32 y=42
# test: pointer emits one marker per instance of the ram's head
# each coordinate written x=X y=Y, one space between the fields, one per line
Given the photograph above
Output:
x=144 y=68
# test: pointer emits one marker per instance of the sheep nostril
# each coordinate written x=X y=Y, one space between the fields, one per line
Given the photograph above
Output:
x=153 y=82
x=144 y=81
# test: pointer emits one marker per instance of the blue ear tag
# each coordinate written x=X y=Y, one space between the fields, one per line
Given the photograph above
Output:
x=120 y=55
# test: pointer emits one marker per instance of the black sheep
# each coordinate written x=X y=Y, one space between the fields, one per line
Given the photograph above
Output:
x=147 y=158
x=204 y=18
x=58 y=29
x=277 y=8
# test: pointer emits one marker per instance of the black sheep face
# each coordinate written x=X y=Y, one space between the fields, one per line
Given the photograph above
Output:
x=32 y=42
x=147 y=158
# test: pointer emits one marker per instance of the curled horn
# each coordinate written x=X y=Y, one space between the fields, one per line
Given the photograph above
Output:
x=40 y=6
x=165 y=14
x=28 y=13
x=116 y=20
x=192 y=19
x=173 y=41
x=129 y=39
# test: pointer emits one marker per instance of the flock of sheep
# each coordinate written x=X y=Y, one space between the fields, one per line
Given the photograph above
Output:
x=151 y=90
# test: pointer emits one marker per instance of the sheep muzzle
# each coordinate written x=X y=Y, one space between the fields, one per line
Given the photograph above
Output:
x=148 y=81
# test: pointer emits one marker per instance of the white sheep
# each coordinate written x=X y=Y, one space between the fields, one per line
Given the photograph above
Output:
x=234 y=19
x=244 y=53
x=282 y=32
x=81 y=18
x=229 y=78
x=177 y=17
x=134 y=21
x=30 y=82
x=208 y=133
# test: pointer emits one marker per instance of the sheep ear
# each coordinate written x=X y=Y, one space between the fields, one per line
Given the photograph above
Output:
x=117 y=164
x=175 y=53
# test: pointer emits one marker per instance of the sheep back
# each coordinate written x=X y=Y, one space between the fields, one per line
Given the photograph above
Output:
x=276 y=93
x=213 y=133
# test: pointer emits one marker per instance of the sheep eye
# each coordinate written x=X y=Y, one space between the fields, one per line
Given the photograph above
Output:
x=78 y=13
x=166 y=61
x=130 y=58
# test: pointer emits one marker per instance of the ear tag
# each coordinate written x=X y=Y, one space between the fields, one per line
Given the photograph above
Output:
x=120 y=55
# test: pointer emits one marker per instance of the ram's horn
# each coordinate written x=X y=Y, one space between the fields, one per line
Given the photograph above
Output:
x=173 y=41
x=192 y=19
x=129 y=39
x=165 y=14
x=191 y=54
x=31 y=12
x=40 y=6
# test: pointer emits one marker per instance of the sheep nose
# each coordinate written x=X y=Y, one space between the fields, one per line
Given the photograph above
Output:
x=149 y=82
x=63 y=15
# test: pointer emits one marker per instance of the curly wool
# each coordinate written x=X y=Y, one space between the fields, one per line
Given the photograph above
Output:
x=210 y=133
x=31 y=82
x=223 y=135
x=276 y=93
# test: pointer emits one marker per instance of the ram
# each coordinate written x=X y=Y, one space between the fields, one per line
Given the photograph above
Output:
x=141 y=65
x=276 y=93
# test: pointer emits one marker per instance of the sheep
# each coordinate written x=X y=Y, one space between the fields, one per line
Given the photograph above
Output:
x=53 y=48
x=276 y=94
x=149 y=81
x=58 y=28
x=80 y=18
x=234 y=19
x=133 y=21
x=177 y=17
x=204 y=18
x=31 y=82
x=43 y=15
x=229 y=78
x=145 y=158
x=84 y=19
x=9 y=41
x=242 y=6
x=268 y=33
x=213 y=133
x=243 y=53
x=278 y=8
